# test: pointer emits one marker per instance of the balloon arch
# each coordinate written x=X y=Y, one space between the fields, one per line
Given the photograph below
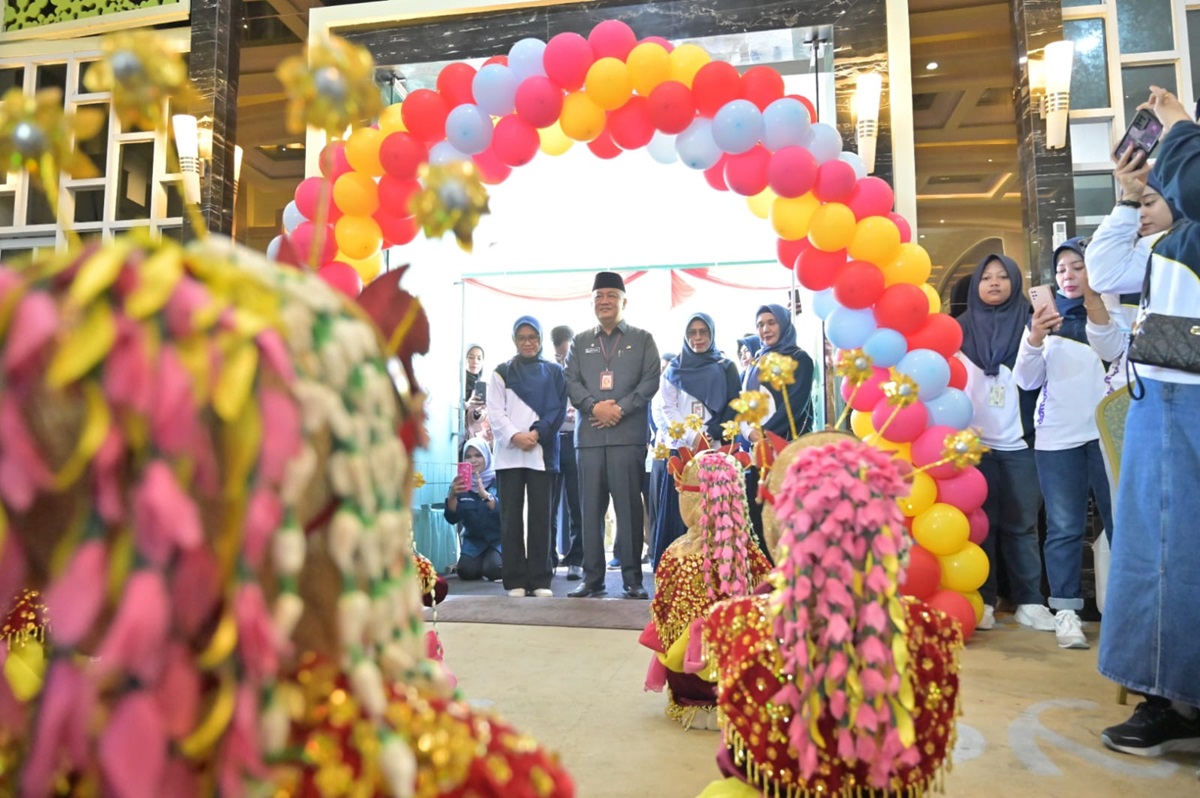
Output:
x=835 y=227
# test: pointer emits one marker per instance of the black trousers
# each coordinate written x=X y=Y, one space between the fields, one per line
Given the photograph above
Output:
x=615 y=471
x=525 y=552
x=566 y=485
x=487 y=565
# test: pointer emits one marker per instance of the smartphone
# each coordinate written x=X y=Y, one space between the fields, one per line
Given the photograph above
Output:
x=465 y=474
x=481 y=390
x=1040 y=295
x=1142 y=134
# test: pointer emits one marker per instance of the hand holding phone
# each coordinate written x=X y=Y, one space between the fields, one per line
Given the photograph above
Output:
x=463 y=483
x=1040 y=296
x=1141 y=135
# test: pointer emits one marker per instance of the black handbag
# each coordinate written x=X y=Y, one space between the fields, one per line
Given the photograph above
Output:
x=1161 y=340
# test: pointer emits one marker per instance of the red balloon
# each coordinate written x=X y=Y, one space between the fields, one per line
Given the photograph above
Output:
x=342 y=277
x=671 y=107
x=901 y=225
x=789 y=251
x=630 y=125
x=604 y=147
x=454 y=84
x=715 y=174
x=808 y=105
x=817 y=269
x=958 y=373
x=940 y=333
x=762 y=85
x=746 y=173
x=835 y=181
x=871 y=197
x=515 y=141
x=717 y=83
x=566 y=60
x=906 y=425
x=928 y=449
x=979 y=526
x=858 y=285
x=333 y=160
x=539 y=101
x=869 y=393
x=660 y=41
x=397 y=230
x=492 y=170
x=424 y=113
x=303 y=238
x=966 y=490
x=902 y=307
x=923 y=575
x=502 y=60
x=956 y=606
x=612 y=39
x=402 y=155
x=792 y=172
x=395 y=195
x=308 y=198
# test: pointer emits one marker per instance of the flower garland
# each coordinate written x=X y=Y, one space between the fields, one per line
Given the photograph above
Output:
x=724 y=517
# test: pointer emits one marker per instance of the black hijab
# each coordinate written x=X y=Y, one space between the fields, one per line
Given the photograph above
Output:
x=992 y=333
x=1074 y=314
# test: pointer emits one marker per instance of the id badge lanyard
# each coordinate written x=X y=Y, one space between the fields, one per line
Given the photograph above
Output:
x=606 y=376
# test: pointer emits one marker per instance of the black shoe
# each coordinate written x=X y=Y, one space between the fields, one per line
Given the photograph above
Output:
x=635 y=592
x=574 y=573
x=588 y=591
x=1154 y=729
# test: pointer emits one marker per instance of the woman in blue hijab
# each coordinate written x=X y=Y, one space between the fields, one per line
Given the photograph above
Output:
x=698 y=381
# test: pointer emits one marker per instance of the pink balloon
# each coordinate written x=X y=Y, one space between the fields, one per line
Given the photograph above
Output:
x=979 y=526
x=902 y=225
x=307 y=194
x=515 y=141
x=871 y=197
x=342 y=277
x=302 y=239
x=869 y=393
x=333 y=161
x=746 y=174
x=539 y=101
x=492 y=170
x=612 y=39
x=630 y=125
x=966 y=490
x=660 y=41
x=928 y=449
x=566 y=60
x=907 y=424
x=835 y=181
x=715 y=174
x=792 y=171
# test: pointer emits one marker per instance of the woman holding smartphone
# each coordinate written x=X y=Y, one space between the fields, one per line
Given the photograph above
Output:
x=472 y=503
x=527 y=402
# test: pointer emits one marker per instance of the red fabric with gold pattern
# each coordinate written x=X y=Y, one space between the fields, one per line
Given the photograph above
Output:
x=680 y=592
x=738 y=636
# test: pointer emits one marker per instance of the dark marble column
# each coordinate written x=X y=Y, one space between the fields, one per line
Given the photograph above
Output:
x=1049 y=191
x=213 y=66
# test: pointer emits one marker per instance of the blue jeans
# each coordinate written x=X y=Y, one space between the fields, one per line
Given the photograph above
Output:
x=1065 y=476
x=1012 y=507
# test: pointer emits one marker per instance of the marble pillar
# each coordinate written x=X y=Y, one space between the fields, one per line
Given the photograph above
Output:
x=213 y=66
x=1048 y=192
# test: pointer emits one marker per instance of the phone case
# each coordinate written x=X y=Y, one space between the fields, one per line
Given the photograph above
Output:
x=1040 y=295
x=1142 y=134
x=464 y=473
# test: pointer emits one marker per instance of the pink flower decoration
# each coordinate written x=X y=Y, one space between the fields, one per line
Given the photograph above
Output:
x=195 y=590
x=76 y=598
x=264 y=515
x=106 y=471
x=275 y=355
x=188 y=297
x=256 y=634
x=241 y=756
x=164 y=516
x=128 y=372
x=174 y=424
x=33 y=328
x=12 y=566
x=133 y=748
x=281 y=438
x=63 y=722
x=137 y=635
x=178 y=693
x=22 y=470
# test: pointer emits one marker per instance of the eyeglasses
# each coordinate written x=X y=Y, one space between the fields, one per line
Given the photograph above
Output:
x=528 y=339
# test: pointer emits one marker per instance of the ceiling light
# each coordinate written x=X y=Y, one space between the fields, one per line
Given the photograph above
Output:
x=932 y=65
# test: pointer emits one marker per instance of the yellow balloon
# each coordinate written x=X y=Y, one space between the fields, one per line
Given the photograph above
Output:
x=608 y=83
x=686 y=60
x=554 y=141
x=935 y=300
x=976 y=604
x=901 y=450
x=965 y=570
x=368 y=268
x=362 y=150
x=876 y=240
x=390 y=121
x=356 y=194
x=911 y=265
x=943 y=529
x=792 y=217
x=860 y=423
x=581 y=119
x=760 y=203
x=832 y=227
x=649 y=65
x=921 y=496
x=358 y=236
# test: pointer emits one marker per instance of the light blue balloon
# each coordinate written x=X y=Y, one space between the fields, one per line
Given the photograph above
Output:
x=737 y=126
x=849 y=329
x=273 y=248
x=662 y=148
x=856 y=163
x=885 y=347
x=826 y=142
x=786 y=124
x=469 y=129
x=444 y=152
x=525 y=58
x=951 y=408
x=928 y=369
x=696 y=147
x=823 y=303
x=292 y=217
x=495 y=89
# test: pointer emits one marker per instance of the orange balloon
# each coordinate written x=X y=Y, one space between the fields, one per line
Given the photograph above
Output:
x=608 y=83
x=356 y=194
x=649 y=65
x=582 y=119
x=832 y=227
x=792 y=217
x=362 y=150
x=358 y=236
x=876 y=240
x=686 y=60
x=390 y=120
x=911 y=265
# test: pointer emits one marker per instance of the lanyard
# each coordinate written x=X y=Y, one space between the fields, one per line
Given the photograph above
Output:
x=604 y=353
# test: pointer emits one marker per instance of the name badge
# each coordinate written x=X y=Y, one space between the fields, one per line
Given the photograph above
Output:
x=606 y=380
x=996 y=395
x=591 y=350
x=698 y=409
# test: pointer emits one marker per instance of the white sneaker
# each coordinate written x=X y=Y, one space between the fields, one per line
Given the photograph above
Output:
x=543 y=592
x=517 y=592
x=1035 y=616
x=988 y=621
x=1069 y=630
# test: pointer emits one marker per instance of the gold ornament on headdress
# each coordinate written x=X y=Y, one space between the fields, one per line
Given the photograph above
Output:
x=331 y=86
x=730 y=430
x=855 y=367
x=693 y=422
x=751 y=408
x=676 y=430
x=418 y=479
x=453 y=200
x=661 y=451
x=143 y=72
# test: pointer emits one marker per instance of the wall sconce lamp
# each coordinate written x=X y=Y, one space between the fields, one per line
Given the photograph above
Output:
x=1058 y=61
x=1037 y=86
x=867 y=96
x=194 y=143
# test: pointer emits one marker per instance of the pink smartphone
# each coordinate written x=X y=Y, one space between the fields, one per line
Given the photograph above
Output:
x=1040 y=295
x=464 y=474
